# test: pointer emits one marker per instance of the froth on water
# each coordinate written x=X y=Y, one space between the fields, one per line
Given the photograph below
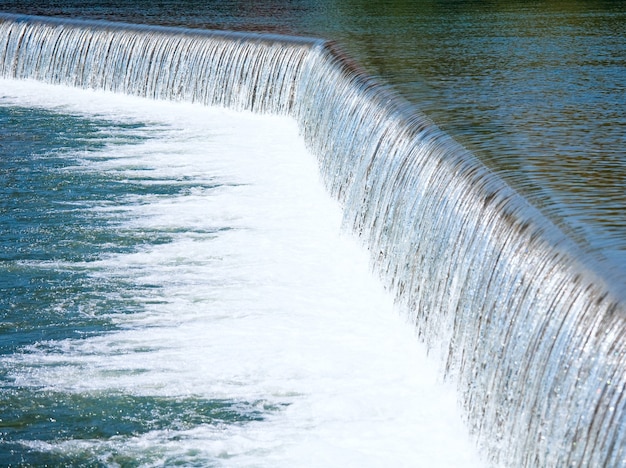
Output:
x=243 y=328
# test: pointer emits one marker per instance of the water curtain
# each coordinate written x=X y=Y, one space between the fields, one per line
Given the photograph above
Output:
x=527 y=327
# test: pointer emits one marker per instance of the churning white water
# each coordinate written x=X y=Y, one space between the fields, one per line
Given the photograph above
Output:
x=259 y=299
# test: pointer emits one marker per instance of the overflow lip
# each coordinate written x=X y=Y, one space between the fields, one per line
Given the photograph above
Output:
x=268 y=38
x=517 y=210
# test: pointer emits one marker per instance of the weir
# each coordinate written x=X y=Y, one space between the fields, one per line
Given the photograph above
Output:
x=527 y=326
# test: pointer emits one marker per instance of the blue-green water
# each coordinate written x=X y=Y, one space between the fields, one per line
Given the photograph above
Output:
x=49 y=231
x=56 y=222
x=49 y=236
x=52 y=417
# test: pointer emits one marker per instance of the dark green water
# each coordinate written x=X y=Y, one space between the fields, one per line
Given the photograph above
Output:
x=537 y=90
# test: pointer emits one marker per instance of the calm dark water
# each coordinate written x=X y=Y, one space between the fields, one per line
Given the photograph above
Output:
x=537 y=90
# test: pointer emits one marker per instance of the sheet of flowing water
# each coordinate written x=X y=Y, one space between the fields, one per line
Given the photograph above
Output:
x=536 y=90
x=176 y=290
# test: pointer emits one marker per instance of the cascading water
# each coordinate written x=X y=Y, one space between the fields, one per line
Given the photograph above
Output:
x=235 y=70
x=530 y=330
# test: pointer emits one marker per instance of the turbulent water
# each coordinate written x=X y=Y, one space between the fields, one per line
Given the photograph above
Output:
x=529 y=327
x=175 y=290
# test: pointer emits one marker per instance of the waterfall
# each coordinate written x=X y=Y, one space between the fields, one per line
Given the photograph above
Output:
x=527 y=326
x=235 y=70
x=533 y=335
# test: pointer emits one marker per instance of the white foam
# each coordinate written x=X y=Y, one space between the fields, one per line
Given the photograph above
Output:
x=260 y=298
